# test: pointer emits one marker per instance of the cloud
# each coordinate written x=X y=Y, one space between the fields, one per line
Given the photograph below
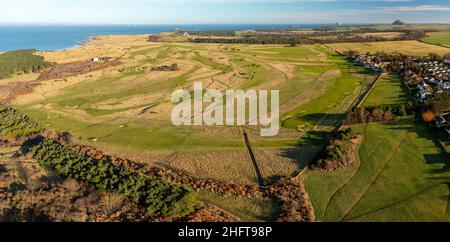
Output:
x=419 y=8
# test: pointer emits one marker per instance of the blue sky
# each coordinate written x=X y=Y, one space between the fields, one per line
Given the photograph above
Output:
x=223 y=11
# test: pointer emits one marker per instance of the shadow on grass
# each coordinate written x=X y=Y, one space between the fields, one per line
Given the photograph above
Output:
x=28 y=215
x=438 y=174
x=316 y=119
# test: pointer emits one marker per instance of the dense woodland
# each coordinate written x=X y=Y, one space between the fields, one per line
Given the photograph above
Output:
x=223 y=33
x=21 y=61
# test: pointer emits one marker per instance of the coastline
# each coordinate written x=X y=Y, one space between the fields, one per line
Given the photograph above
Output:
x=63 y=37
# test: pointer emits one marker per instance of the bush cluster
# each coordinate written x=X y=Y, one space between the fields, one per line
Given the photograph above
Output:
x=339 y=145
x=160 y=197
x=14 y=124
x=378 y=113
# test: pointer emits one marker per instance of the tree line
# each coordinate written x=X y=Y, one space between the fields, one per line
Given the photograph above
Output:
x=21 y=61
x=290 y=38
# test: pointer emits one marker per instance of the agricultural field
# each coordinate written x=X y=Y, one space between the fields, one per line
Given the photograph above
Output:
x=389 y=90
x=402 y=176
x=438 y=38
x=404 y=47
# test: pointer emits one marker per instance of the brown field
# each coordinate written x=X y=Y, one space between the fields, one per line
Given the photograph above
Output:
x=403 y=47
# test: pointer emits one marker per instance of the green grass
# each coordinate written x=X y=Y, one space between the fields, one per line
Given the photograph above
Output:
x=402 y=177
x=209 y=62
x=438 y=38
x=87 y=94
x=247 y=209
x=388 y=91
x=337 y=89
x=255 y=74
x=328 y=182
x=304 y=76
x=135 y=135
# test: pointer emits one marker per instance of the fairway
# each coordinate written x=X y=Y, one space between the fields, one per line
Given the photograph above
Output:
x=389 y=90
x=402 y=177
x=414 y=48
x=438 y=38
x=125 y=110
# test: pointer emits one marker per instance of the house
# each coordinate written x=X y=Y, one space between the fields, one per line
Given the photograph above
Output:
x=445 y=85
x=97 y=59
x=447 y=130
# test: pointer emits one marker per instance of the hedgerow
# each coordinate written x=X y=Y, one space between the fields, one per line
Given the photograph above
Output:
x=14 y=123
x=157 y=195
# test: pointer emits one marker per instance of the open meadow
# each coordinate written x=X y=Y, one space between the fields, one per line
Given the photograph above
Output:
x=402 y=176
x=389 y=90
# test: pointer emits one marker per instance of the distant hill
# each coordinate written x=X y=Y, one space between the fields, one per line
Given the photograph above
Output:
x=398 y=22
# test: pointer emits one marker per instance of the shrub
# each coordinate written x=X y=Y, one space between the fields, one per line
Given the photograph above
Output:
x=428 y=116
x=377 y=113
x=154 y=193
x=14 y=124
x=336 y=151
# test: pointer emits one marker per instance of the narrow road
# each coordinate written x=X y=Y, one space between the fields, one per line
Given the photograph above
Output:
x=253 y=159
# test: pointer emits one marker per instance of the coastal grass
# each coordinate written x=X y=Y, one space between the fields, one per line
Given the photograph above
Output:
x=128 y=109
x=247 y=209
